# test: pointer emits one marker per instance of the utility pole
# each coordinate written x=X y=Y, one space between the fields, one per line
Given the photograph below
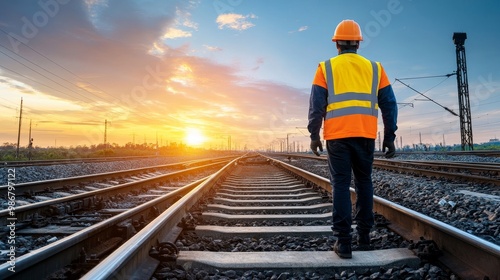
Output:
x=30 y=145
x=19 y=130
x=463 y=93
x=29 y=135
x=228 y=141
x=156 y=148
x=287 y=145
x=281 y=140
x=105 y=134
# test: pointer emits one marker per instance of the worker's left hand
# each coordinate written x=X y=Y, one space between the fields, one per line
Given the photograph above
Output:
x=391 y=149
x=315 y=144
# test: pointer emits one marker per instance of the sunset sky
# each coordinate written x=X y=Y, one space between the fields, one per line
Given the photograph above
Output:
x=214 y=69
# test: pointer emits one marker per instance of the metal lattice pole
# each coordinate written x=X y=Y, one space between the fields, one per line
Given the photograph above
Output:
x=463 y=93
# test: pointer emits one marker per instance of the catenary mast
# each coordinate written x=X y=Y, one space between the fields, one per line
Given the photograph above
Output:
x=463 y=93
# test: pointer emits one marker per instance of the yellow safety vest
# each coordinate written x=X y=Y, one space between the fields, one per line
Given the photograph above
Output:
x=353 y=83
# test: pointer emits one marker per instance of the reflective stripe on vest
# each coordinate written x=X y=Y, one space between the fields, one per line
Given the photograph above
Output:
x=349 y=103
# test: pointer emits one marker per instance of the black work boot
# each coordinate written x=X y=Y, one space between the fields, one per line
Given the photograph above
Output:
x=343 y=249
x=364 y=241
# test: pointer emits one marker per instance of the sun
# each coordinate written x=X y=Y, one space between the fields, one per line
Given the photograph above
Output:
x=194 y=137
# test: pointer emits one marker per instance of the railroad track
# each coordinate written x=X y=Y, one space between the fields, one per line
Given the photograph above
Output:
x=69 y=161
x=139 y=256
x=81 y=214
x=63 y=184
x=477 y=172
x=69 y=195
x=479 y=153
x=485 y=173
x=485 y=153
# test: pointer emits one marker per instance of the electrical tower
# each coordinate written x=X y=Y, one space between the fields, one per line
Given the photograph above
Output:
x=463 y=93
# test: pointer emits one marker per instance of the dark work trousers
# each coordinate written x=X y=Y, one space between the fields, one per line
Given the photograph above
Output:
x=345 y=156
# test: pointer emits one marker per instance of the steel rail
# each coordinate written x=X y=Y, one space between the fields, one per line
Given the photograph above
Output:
x=88 y=199
x=457 y=163
x=480 y=153
x=46 y=260
x=467 y=255
x=52 y=184
x=75 y=161
x=42 y=162
x=395 y=165
x=124 y=262
x=438 y=174
x=473 y=167
x=486 y=153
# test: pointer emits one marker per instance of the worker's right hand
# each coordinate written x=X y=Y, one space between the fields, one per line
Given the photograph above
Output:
x=315 y=144
x=391 y=149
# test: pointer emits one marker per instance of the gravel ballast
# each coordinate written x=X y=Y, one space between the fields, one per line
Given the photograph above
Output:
x=449 y=202
x=458 y=204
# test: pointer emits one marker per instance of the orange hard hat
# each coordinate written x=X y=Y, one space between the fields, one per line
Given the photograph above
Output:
x=347 y=30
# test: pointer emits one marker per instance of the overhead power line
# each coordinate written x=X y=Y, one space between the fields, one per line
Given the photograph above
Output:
x=45 y=76
x=428 y=77
x=47 y=70
x=44 y=56
x=116 y=102
x=446 y=108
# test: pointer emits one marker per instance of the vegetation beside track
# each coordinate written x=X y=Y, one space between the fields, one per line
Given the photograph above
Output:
x=8 y=151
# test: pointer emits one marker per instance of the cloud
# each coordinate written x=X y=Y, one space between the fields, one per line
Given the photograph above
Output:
x=173 y=33
x=302 y=28
x=184 y=19
x=212 y=48
x=125 y=72
x=235 y=21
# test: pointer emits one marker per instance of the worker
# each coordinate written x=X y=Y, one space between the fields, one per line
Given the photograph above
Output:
x=346 y=93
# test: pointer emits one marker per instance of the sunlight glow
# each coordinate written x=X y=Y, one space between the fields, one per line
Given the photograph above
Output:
x=194 y=137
